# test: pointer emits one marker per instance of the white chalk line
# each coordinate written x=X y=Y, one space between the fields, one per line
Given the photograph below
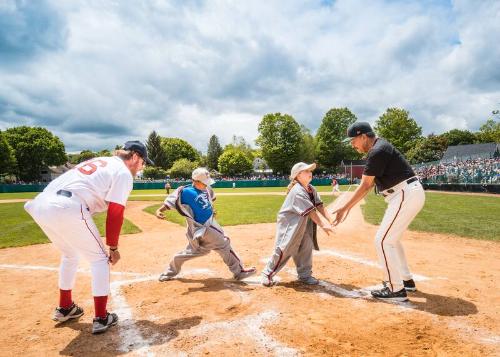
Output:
x=56 y=269
x=252 y=327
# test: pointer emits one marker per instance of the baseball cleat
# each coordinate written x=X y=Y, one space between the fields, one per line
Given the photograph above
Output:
x=409 y=285
x=101 y=324
x=165 y=277
x=72 y=312
x=387 y=295
x=310 y=280
x=245 y=273
x=267 y=281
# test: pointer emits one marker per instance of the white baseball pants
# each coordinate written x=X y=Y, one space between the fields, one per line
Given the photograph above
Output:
x=68 y=224
x=403 y=206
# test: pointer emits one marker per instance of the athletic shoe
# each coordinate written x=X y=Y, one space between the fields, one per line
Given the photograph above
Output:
x=72 y=312
x=409 y=285
x=165 y=277
x=101 y=324
x=267 y=281
x=245 y=273
x=388 y=295
x=310 y=280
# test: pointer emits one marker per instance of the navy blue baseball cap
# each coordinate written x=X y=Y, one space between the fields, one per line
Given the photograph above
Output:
x=140 y=148
x=356 y=129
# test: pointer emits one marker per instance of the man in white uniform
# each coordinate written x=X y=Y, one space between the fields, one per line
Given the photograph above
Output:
x=395 y=180
x=64 y=212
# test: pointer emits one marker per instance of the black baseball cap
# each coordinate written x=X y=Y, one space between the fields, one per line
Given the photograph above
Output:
x=356 y=129
x=140 y=148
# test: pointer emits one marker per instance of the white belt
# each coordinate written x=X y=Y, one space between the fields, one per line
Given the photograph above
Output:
x=398 y=186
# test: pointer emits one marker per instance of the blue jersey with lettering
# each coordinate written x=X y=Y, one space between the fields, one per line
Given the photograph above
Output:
x=198 y=201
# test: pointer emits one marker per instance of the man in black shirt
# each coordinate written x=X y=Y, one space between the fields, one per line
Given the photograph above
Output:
x=395 y=180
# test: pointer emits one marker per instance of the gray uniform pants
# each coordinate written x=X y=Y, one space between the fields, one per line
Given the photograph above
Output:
x=212 y=240
x=298 y=249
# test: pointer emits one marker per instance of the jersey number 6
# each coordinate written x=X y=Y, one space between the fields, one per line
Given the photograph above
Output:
x=89 y=167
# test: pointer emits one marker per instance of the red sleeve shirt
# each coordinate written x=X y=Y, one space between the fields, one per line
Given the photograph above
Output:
x=114 y=221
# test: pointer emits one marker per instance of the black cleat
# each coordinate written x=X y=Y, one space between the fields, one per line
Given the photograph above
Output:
x=72 y=312
x=101 y=324
x=388 y=295
x=409 y=285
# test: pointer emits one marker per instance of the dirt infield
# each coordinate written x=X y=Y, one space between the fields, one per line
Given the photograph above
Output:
x=205 y=312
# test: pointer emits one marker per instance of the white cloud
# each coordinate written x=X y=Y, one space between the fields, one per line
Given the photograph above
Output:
x=191 y=69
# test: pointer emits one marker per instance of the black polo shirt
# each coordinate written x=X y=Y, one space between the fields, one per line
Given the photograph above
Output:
x=387 y=164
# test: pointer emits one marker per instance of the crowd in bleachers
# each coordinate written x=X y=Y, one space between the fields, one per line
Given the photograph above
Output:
x=480 y=170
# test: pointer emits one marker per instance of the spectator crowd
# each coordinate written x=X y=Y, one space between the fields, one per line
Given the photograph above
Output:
x=481 y=170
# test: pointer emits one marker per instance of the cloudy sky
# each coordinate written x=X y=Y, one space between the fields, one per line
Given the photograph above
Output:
x=97 y=72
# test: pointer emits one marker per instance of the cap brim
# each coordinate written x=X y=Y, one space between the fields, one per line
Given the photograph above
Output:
x=149 y=162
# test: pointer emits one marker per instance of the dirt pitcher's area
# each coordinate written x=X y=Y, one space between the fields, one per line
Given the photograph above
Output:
x=205 y=312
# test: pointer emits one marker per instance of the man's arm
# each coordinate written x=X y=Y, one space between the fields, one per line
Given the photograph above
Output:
x=364 y=187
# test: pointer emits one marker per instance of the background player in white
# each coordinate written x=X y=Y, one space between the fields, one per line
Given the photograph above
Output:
x=64 y=212
x=296 y=227
x=395 y=180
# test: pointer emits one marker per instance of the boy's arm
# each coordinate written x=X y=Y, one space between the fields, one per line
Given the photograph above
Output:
x=317 y=219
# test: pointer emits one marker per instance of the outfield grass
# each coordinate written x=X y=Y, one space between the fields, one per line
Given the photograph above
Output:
x=18 y=228
x=17 y=195
x=235 y=210
x=463 y=215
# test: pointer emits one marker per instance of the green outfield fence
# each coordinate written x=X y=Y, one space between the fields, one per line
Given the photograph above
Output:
x=161 y=185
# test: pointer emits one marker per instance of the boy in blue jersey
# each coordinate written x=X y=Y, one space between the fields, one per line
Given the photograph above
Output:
x=195 y=203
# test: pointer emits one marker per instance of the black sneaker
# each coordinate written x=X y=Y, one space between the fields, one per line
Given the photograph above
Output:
x=101 y=324
x=409 y=285
x=72 y=312
x=388 y=295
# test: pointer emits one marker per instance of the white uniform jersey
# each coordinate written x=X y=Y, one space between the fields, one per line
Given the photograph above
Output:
x=97 y=182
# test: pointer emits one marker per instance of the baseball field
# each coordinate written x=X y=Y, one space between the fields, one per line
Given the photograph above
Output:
x=452 y=248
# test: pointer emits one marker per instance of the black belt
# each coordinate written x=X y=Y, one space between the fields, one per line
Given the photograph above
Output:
x=410 y=180
x=64 y=193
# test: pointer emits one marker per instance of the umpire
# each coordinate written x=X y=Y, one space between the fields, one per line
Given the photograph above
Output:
x=395 y=180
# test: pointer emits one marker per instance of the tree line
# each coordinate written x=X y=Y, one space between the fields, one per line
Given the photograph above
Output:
x=282 y=141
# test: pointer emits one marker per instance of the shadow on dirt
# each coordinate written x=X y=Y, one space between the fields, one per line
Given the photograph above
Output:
x=421 y=301
x=110 y=343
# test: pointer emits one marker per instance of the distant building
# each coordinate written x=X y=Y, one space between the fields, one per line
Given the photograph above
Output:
x=260 y=166
x=472 y=151
x=52 y=172
x=352 y=168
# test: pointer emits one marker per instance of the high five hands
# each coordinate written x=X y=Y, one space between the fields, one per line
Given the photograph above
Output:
x=340 y=215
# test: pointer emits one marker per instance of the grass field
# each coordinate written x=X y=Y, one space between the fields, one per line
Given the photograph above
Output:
x=463 y=215
x=18 y=228
x=235 y=210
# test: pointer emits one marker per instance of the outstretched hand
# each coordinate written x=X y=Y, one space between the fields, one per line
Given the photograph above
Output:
x=159 y=214
x=340 y=215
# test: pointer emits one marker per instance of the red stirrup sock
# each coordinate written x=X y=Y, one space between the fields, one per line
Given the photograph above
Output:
x=100 y=306
x=65 y=300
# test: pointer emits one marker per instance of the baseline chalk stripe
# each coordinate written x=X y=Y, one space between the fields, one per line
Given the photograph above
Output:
x=251 y=326
x=353 y=258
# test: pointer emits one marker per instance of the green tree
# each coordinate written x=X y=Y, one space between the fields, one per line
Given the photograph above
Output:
x=176 y=149
x=155 y=150
x=7 y=157
x=104 y=153
x=459 y=137
x=86 y=155
x=279 y=138
x=307 y=147
x=34 y=149
x=239 y=143
x=397 y=127
x=234 y=162
x=154 y=172
x=330 y=150
x=213 y=152
x=427 y=149
x=182 y=168
x=489 y=132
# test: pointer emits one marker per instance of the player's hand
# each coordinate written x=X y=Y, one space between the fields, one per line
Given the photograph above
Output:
x=114 y=256
x=327 y=230
x=340 y=215
x=159 y=214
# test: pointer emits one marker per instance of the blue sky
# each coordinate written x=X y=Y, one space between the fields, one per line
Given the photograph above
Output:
x=97 y=73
